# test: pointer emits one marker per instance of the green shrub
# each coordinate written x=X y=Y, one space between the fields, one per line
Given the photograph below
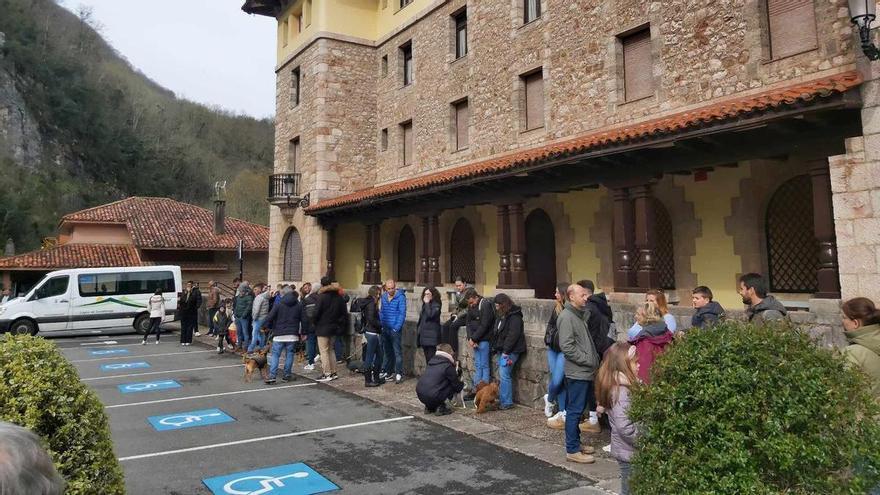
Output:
x=40 y=390
x=743 y=409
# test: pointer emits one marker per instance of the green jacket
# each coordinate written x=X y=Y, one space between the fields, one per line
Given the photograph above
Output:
x=581 y=360
x=864 y=351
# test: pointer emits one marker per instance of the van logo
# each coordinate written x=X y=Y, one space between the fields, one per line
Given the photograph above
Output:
x=122 y=300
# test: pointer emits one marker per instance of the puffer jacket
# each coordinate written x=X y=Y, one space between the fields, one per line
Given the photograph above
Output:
x=864 y=351
x=650 y=343
x=331 y=313
x=392 y=313
x=260 y=306
x=769 y=309
x=623 y=431
x=510 y=337
x=285 y=317
x=599 y=322
x=708 y=315
x=429 y=324
x=581 y=360
x=157 y=306
x=222 y=320
x=244 y=304
x=480 y=321
x=439 y=381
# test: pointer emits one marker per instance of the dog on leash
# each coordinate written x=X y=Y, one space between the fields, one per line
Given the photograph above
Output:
x=487 y=396
x=256 y=362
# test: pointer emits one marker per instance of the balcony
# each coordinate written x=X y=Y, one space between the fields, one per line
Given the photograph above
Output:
x=284 y=192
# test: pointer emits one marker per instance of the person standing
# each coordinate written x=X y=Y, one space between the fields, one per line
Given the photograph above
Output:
x=259 y=312
x=861 y=324
x=509 y=341
x=369 y=307
x=222 y=320
x=243 y=307
x=556 y=365
x=189 y=316
x=657 y=298
x=309 y=300
x=331 y=320
x=762 y=307
x=6 y=296
x=599 y=323
x=429 y=322
x=457 y=316
x=651 y=340
x=617 y=374
x=479 y=322
x=214 y=302
x=284 y=320
x=392 y=313
x=581 y=363
x=156 y=306
x=708 y=312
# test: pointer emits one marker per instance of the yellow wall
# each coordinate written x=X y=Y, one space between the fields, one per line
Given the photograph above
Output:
x=349 y=255
x=581 y=208
x=715 y=263
x=491 y=259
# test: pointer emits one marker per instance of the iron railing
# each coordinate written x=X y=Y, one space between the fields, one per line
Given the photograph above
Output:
x=284 y=191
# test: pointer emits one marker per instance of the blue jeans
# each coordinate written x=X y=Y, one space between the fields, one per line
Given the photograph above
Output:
x=391 y=343
x=481 y=363
x=338 y=349
x=256 y=336
x=578 y=391
x=311 y=347
x=505 y=371
x=243 y=325
x=288 y=358
x=556 y=387
x=373 y=353
x=625 y=471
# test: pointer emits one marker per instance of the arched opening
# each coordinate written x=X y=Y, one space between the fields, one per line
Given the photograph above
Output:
x=792 y=256
x=293 y=255
x=461 y=252
x=406 y=255
x=664 y=250
x=541 y=257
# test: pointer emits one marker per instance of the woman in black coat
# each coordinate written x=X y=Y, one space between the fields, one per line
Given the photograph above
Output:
x=510 y=342
x=429 y=322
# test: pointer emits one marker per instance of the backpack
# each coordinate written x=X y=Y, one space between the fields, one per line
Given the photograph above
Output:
x=357 y=311
x=310 y=306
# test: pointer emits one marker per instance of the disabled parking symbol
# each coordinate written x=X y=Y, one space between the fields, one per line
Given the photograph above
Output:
x=129 y=388
x=110 y=352
x=289 y=479
x=189 y=419
x=124 y=366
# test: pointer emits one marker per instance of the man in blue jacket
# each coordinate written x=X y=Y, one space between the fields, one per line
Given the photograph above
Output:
x=392 y=314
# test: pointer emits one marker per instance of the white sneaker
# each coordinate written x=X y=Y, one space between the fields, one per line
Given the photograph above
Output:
x=157 y=342
x=198 y=334
x=324 y=378
x=309 y=367
x=144 y=342
x=559 y=416
x=548 y=406
x=318 y=358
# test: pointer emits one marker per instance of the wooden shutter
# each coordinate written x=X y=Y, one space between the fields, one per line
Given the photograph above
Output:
x=534 y=100
x=407 y=143
x=638 y=67
x=293 y=152
x=461 y=35
x=792 y=27
x=462 y=120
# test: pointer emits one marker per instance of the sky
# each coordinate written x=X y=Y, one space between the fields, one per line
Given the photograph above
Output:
x=207 y=51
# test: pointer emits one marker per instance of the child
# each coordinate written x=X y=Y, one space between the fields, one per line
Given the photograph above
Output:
x=619 y=370
x=708 y=312
x=222 y=320
x=440 y=382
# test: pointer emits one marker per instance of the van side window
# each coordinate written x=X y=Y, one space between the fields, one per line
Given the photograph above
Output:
x=98 y=284
x=56 y=286
x=146 y=282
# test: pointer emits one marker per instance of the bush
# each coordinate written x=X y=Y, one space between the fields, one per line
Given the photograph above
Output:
x=758 y=410
x=41 y=391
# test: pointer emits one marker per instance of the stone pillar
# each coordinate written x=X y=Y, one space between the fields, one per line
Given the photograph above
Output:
x=331 y=252
x=624 y=264
x=368 y=255
x=504 y=276
x=823 y=226
x=434 y=277
x=376 y=250
x=425 y=248
x=519 y=277
x=647 y=276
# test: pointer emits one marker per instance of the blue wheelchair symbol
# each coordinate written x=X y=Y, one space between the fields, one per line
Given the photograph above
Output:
x=128 y=388
x=290 y=479
x=124 y=366
x=108 y=352
x=189 y=419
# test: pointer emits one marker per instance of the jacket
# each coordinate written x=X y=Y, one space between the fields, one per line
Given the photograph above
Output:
x=331 y=314
x=581 y=360
x=429 y=324
x=285 y=317
x=244 y=304
x=551 y=332
x=393 y=311
x=370 y=315
x=213 y=298
x=439 y=381
x=708 y=315
x=623 y=430
x=190 y=302
x=222 y=320
x=864 y=351
x=509 y=337
x=599 y=322
x=260 y=306
x=309 y=303
x=650 y=343
x=769 y=309
x=156 y=306
x=480 y=321
x=668 y=319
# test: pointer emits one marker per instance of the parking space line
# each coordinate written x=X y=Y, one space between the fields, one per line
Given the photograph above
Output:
x=174 y=399
x=141 y=356
x=159 y=372
x=262 y=439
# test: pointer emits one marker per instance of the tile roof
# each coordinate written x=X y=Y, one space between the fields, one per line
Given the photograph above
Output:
x=75 y=256
x=163 y=223
x=722 y=111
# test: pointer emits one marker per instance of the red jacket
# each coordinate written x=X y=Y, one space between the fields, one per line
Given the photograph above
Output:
x=647 y=350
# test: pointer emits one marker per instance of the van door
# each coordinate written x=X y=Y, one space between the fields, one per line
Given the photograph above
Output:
x=51 y=304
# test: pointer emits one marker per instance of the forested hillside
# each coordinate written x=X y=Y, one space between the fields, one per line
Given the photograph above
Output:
x=80 y=127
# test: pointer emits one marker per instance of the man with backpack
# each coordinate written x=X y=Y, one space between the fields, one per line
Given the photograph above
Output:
x=479 y=323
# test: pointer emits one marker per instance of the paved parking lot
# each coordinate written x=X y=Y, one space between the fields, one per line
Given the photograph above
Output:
x=184 y=422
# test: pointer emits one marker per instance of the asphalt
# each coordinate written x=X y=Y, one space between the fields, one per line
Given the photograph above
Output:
x=357 y=444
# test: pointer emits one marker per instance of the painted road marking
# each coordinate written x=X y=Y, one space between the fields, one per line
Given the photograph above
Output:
x=108 y=352
x=129 y=388
x=107 y=342
x=178 y=421
x=262 y=439
x=159 y=372
x=290 y=479
x=141 y=356
x=125 y=366
x=175 y=399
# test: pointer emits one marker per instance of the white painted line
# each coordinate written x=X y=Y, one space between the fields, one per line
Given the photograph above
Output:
x=262 y=439
x=103 y=342
x=160 y=372
x=174 y=399
x=129 y=356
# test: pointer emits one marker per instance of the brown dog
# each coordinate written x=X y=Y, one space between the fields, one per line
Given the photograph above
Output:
x=487 y=396
x=255 y=362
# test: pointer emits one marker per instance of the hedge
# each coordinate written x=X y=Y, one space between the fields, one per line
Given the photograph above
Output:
x=739 y=409
x=41 y=390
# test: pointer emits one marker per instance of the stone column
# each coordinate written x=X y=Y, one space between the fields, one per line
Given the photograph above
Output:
x=425 y=249
x=504 y=276
x=368 y=254
x=624 y=272
x=823 y=227
x=434 y=277
x=376 y=250
x=331 y=252
x=519 y=277
x=647 y=276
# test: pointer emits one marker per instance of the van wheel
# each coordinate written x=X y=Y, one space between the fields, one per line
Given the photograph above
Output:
x=23 y=327
x=142 y=324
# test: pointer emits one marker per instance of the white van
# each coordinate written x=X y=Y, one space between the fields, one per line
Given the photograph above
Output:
x=92 y=298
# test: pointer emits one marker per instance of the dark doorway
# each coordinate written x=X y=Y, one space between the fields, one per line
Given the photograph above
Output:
x=461 y=252
x=406 y=255
x=541 y=258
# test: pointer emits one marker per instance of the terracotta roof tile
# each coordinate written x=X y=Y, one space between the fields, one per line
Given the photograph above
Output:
x=74 y=256
x=801 y=92
x=157 y=223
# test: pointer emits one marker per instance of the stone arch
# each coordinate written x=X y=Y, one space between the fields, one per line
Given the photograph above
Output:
x=541 y=253
x=481 y=240
x=685 y=231
x=462 y=252
x=562 y=229
x=292 y=256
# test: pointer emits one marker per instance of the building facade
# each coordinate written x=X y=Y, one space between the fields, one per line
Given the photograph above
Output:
x=520 y=143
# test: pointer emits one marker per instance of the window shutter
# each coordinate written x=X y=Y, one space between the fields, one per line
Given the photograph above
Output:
x=638 y=67
x=407 y=144
x=792 y=27
x=534 y=100
x=462 y=118
x=293 y=151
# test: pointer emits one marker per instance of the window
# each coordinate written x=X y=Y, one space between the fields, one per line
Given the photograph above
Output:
x=299 y=22
x=406 y=135
x=112 y=284
x=461 y=253
x=461 y=47
x=531 y=10
x=792 y=25
x=792 y=257
x=285 y=32
x=406 y=255
x=461 y=122
x=384 y=65
x=534 y=99
x=293 y=256
x=404 y=3
x=638 y=68
x=384 y=139
x=56 y=286
x=294 y=87
x=293 y=151
x=406 y=55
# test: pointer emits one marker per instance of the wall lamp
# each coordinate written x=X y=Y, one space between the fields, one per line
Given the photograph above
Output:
x=863 y=13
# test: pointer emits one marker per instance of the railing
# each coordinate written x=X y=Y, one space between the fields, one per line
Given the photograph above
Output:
x=284 y=191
